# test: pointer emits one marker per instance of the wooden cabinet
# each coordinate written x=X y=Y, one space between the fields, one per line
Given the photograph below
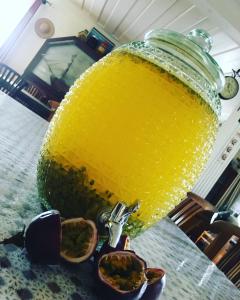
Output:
x=58 y=63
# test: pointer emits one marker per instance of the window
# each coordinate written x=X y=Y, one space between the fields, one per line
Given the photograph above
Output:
x=14 y=17
x=11 y=13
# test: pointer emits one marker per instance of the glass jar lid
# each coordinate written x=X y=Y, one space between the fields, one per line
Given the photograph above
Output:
x=191 y=49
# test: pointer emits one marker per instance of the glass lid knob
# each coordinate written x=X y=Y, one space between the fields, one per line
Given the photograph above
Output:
x=202 y=38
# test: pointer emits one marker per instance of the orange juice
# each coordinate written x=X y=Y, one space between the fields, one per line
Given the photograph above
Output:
x=126 y=131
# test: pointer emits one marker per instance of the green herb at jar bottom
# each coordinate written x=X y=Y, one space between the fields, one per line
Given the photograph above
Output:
x=72 y=193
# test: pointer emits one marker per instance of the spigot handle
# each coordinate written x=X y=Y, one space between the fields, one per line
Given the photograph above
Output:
x=116 y=219
x=117 y=213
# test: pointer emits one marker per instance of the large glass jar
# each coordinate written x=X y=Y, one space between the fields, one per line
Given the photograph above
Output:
x=138 y=125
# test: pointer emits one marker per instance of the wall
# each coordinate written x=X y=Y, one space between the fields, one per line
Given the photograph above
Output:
x=236 y=206
x=68 y=19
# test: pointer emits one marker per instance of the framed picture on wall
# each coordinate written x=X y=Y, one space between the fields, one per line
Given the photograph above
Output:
x=58 y=63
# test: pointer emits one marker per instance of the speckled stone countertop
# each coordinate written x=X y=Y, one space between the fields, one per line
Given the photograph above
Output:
x=190 y=275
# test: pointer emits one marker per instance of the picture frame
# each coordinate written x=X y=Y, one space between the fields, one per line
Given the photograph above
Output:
x=58 y=63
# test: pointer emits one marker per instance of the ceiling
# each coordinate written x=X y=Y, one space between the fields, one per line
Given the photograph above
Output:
x=129 y=20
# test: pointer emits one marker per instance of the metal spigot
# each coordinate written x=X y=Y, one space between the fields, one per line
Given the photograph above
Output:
x=116 y=219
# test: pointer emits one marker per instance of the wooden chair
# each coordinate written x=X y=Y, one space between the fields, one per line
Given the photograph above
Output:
x=220 y=236
x=188 y=208
x=221 y=243
x=194 y=226
x=230 y=264
x=10 y=81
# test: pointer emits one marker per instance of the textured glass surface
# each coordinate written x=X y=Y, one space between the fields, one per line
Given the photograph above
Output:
x=179 y=68
x=190 y=274
x=192 y=49
x=128 y=130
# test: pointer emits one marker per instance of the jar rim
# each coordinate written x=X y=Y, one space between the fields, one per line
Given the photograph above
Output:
x=193 y=48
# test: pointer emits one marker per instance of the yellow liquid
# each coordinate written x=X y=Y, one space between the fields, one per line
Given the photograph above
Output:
x=140 y=133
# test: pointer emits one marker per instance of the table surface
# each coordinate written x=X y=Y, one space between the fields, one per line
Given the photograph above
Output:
x=190 y=275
